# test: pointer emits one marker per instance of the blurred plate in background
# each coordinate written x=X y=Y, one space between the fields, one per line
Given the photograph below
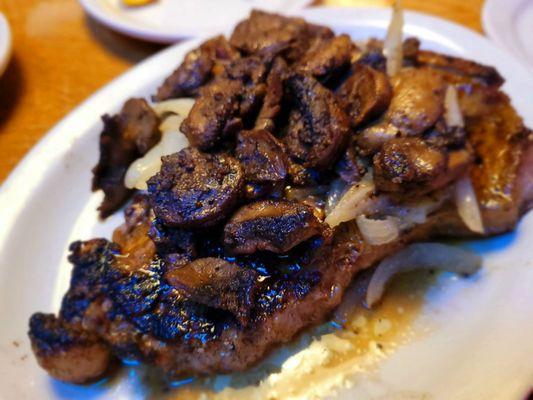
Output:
x=5 y=43
x=167 y=21
x=509 y=23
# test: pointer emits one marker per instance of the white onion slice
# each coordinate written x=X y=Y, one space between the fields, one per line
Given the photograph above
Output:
x=171 y=123
x=421 y=256
x=354 y=202
x=336 y=189
x=467 y=205
x=452 y=114
x=174 y=106
x=142 y=169
x=378 y=231
x=393 y=46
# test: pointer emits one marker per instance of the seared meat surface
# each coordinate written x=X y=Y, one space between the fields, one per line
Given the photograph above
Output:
x=272 y=225
x=68 y=352
x=327 y=57
x=195 y=189
x=263 y=30
x=273 y=97
x=318 y=128
x=407 y=164
x=417 y=103
x=126 y=136
x=230 y=253
x=262 y=156
x=365 y=95
x=215 y=115
x=199 y=66
x=217 y=283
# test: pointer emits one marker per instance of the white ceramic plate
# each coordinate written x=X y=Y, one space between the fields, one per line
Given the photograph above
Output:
x=510 y=24
x=167 y=21
x=5 y=43
x=480 y=343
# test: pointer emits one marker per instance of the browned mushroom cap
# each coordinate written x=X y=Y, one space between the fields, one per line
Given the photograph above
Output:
x=418 y=100
x=198 y=67
x=416 y=105
x=139 y=124
x=327 y=57
x=274 y=93
x=318 y=129
x=408 y=164
x=66 y=353
x=272 y=225
x=262 y=156
x=215 y=114
x=365 y=95
x=217 y=283
x=263 y=30
x=195 y=189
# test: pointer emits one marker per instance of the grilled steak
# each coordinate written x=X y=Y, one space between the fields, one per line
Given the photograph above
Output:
x=229 y=254
x=199 y=66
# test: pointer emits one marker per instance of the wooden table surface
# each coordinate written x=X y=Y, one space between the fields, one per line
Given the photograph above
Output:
x=61 y=56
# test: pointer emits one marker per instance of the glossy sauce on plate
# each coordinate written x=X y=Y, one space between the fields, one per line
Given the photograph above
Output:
x=325 y=357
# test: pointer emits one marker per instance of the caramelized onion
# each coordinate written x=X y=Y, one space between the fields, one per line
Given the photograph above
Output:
x=421 y=256
x=378 y=231
x=353 y=202
x=393 y=46
x=467 y=205
x=452 y=111
x=172 y=140
x=174 y=106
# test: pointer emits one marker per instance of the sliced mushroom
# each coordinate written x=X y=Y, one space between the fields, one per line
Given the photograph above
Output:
x=405 y=163
x=365 y=95
x=318 y=129
x=197 y=68
x=327 y=57
x=215 y=114
x=411 y=166
x=274 y=93
x=217 y=283
x=195 y=189
x=416 y=105
x=272 y=225
x=262 y=156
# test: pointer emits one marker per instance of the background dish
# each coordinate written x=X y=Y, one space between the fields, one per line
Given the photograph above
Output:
x=479 y=345
x=5 y=43
x=167 y=21
x=510 y=24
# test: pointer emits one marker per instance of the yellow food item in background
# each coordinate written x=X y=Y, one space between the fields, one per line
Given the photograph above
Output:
x=136 y=3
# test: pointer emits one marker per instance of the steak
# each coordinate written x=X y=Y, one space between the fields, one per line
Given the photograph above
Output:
x=228 y=254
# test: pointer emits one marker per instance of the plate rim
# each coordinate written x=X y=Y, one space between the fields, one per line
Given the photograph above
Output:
x=146 y=33
x=489 y=23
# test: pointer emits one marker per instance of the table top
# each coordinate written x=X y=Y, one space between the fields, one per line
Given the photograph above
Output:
x=61 y=56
